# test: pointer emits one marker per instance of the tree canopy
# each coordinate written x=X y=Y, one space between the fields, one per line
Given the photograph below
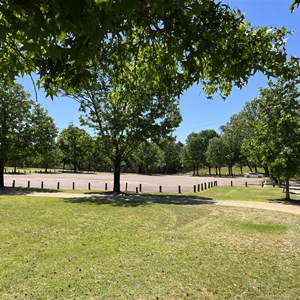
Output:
x=25 y=128
x=74 y=144
x=187 y=41
x=276 y=133
x=127 y=108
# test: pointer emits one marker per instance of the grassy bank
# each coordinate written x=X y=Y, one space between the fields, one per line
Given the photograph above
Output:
x=78 y=249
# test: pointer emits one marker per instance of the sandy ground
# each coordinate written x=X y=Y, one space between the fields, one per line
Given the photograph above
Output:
x=169 y=183
x=281 y=207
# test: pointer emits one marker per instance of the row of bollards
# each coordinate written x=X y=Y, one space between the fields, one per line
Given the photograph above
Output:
x=58 y=185
x=197 y=188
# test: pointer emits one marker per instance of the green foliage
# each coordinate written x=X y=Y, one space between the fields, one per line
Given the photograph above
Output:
x=75 y=144
x=276 y=133
x=196 y=147
x=44 y=132
x=294 y=4
x=148 y=157
x=217 y=152
x=127 y=107
x=187 y=41
x=171 y=151
x=25 y=128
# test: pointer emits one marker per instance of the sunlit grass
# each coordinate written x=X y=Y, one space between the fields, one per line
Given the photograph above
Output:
x=81 y=249
x=241 y=193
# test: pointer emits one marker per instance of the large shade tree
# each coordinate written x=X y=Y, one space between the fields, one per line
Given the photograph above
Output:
x=204 y=41
x=276 y=133
x=127 y=108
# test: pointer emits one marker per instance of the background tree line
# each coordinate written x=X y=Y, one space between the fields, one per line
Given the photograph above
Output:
x=265 y=134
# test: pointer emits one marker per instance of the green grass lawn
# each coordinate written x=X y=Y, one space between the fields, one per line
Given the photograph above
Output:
x=249 y=193
x=242 y=193
x=53 y=248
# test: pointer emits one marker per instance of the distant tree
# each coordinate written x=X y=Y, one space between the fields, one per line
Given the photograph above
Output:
x=247 y=117
x=192 y=152
x=19 y=119
x=276 y=133
x=171 y=151
x=74 y=143
x=233 y=136
x=99 y=159
x=217 y=152
x=206 y=136
x=196 y=147
x=148 y=157
x=44 y=133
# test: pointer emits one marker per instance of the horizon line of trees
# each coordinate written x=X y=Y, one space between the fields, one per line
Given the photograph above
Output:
x=264 y=134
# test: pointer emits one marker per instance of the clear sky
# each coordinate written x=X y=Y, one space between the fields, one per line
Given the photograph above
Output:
x=199 y=113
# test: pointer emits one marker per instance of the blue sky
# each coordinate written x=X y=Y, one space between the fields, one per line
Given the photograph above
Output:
x=199 y=113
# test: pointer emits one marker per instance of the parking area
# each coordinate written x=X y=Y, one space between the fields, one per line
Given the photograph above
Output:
x=100 y=181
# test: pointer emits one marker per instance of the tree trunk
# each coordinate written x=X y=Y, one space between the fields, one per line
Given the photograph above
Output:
x=209 y=170
x=117 y=175
x=220 y=172
x=287 y=187
x=216 y=171
x=255 y=169
x=1 y=176
x=249 y=166
x=267 y=173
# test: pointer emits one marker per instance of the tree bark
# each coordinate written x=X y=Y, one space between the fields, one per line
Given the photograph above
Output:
x=287 y=187
x=1 y=176
x=249 y=166
x=267 y=173
x=117 y=175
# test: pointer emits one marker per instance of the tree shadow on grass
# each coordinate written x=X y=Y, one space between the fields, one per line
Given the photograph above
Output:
x=295 y=202
x=9 y=191
x=133 y=200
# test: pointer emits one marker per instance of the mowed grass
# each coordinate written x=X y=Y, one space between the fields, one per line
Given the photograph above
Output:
x=250 y=193
x=54 y=248
x=241 y=193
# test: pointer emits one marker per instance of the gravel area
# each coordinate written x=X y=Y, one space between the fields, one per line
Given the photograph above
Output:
x=168 y=183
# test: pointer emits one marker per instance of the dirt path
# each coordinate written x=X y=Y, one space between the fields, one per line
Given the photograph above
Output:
x=281 y=207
